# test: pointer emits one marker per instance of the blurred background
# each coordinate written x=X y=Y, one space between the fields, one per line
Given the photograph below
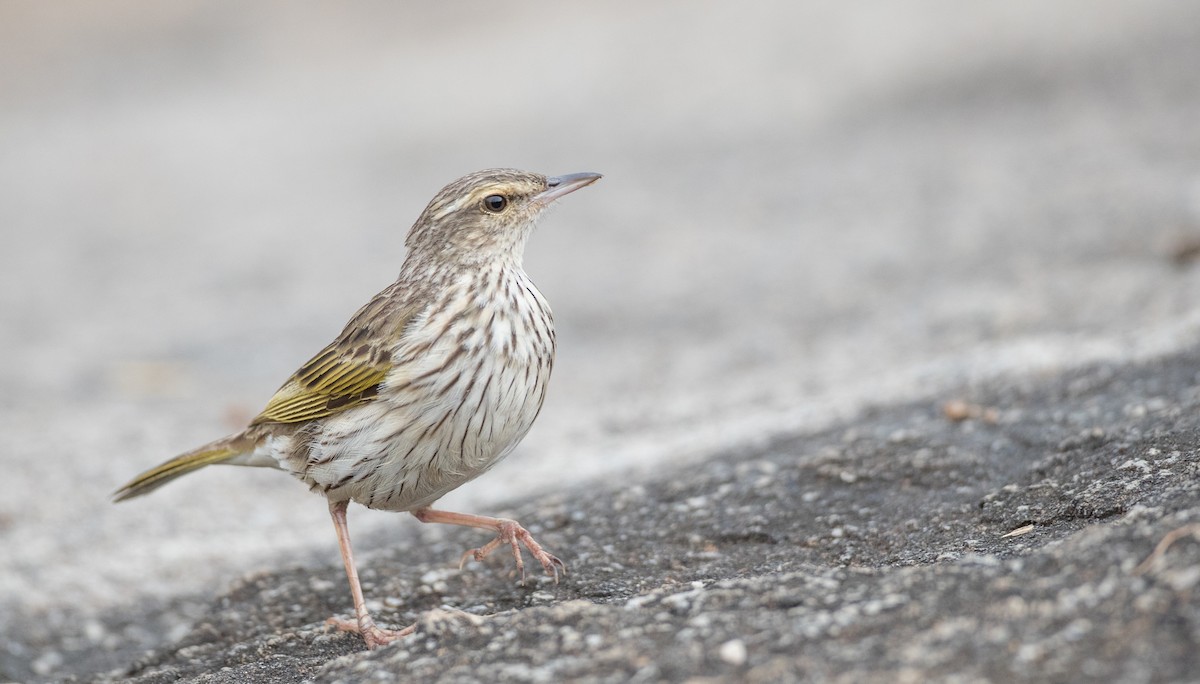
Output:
x=808 y=208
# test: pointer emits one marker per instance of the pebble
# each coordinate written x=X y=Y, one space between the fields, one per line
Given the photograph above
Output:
x=733 y=652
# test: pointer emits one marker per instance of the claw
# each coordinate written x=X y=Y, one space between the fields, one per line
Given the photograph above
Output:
x=512 y=534
x=374 y=636
x=508 y=532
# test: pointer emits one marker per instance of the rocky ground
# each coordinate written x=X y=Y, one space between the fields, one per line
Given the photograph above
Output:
x=1047 y=530
x=877 y=340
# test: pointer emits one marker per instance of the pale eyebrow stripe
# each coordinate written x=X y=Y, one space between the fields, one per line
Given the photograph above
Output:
x=474 y=196
x=448 y=209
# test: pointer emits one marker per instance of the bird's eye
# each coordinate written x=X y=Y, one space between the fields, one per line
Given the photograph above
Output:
x=495 y=203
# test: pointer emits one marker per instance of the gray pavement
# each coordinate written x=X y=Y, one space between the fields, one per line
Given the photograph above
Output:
x=809 y=210
x=904 y=546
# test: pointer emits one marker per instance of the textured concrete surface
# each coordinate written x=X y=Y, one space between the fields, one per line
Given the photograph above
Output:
x=904 y=546
x=812 y=216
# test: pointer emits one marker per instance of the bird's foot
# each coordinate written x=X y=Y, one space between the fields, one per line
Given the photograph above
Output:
x=511 y=533
x=374 y=635
x=508 y=532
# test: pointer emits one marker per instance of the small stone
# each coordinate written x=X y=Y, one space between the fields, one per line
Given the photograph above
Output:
x=733 y=652
x=47 y=663
x=439 y=575
x=94 y=631
x=321 y=585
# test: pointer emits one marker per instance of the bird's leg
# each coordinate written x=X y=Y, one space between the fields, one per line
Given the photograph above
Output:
x=507 y=531
x=363 y=624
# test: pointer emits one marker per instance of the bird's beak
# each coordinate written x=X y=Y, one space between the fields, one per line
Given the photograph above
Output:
x=563 y=185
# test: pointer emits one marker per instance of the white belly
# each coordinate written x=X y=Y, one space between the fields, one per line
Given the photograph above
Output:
x=448 y=412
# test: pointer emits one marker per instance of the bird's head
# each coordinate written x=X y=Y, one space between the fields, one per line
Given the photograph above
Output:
x=487 y=215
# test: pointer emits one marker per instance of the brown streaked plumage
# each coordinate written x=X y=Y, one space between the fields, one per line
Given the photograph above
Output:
x=428 y=386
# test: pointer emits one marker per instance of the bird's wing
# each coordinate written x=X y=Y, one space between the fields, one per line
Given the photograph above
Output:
x=343 y=375
x=330 y=383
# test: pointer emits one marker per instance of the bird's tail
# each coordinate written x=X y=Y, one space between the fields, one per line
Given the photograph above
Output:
x=220 y=451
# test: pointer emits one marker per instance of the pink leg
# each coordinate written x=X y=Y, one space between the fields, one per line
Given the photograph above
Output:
x=363 y=624
x=507 y=532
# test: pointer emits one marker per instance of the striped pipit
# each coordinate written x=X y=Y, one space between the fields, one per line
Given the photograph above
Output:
x=428 y=386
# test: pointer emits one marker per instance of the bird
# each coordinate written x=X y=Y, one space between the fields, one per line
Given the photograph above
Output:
x=429 y=385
